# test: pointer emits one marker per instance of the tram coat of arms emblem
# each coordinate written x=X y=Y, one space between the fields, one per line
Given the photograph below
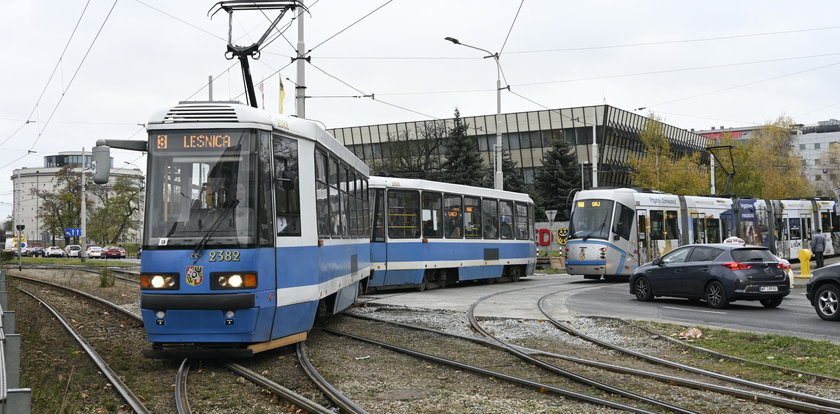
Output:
x=195 y=275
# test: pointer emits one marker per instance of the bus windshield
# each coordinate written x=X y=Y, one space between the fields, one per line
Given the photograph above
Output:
x=194 y=178
x=591 y=219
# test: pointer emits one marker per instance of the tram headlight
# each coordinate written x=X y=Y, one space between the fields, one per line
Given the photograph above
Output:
x=239 y=280
x=162 y=281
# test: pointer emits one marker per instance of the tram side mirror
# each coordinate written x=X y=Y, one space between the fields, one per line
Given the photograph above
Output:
x=101 y=157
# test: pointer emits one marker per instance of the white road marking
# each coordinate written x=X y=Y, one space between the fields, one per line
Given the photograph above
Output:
x=693 y=310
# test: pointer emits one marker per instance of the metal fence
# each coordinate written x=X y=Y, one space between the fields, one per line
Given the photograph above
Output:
x=13 y=399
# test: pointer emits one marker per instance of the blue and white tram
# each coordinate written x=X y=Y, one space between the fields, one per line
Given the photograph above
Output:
x=427 y=233
x=613 y=231
x=254 y=223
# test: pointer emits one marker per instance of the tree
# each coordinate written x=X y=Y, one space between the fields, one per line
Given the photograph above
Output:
x=118 y=210
x=513 y=179
x=463 y=164
x=767 y=166
x=61 y=208
x=558 y=178
x=660 y=169
x=413 y=157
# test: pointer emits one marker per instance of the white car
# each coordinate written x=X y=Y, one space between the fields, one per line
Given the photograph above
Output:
x=73 y=250
x=94 y=252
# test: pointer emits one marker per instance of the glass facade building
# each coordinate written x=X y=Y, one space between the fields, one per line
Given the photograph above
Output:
x=527 y=136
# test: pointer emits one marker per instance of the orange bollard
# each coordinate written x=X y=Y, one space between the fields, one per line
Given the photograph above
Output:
x=805 y=263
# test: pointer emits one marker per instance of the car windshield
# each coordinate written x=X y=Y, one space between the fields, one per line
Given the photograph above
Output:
x=753 y=255
x=591 y=219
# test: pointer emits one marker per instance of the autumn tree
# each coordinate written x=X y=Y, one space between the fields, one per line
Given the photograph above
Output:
x=658 y=168
x=60 y=208
x=558 y=177
x=463 y=164
x=767 y=165
x=412 y=156
x=117 y=211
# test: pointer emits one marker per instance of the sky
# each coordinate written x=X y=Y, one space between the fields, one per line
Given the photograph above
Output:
x=76 y=71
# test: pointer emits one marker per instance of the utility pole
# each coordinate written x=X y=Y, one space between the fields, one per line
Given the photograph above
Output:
x=300 y=88
x=594 y=156
x=83 y=253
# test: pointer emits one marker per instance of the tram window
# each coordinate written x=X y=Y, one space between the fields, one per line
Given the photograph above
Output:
x=795 y=231
x=490 y=215
x=472 y=217
x=531 y=229
x=286 y=186
x=403 y=214
x=432 y=216
x=345 y=202
x=378 y=214
x=521 y=221
x=623 y=221
x=322 y=205
x=454 y=223
x=506 y=219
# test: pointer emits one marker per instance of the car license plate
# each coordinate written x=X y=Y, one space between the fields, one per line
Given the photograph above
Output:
x=768 y=289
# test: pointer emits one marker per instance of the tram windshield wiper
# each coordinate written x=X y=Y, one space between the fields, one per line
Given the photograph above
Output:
x=200 y=247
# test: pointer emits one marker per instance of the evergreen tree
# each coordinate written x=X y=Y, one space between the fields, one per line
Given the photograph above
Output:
x=463 y=164
x=513 y=179
x=558 y=177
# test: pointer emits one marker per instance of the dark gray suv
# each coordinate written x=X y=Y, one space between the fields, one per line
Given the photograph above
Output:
x=717 y=273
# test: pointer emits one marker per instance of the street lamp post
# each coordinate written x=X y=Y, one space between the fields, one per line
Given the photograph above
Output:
x=498 y=177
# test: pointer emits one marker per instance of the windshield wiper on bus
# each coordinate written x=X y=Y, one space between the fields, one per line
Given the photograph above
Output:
x=215 y=226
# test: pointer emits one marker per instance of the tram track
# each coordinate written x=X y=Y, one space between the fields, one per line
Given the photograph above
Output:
x=816 y=402
x=181 y=393
x=113 y=378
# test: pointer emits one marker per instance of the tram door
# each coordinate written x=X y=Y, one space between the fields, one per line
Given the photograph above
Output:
x=642 y=236
x=706 y=229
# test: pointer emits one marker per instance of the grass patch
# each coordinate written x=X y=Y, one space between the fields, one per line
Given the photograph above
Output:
x=818 y=357
x=71 y=261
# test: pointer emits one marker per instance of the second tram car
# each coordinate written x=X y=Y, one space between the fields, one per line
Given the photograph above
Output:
x=254 y=223
x=613 y=231
x=427 y=233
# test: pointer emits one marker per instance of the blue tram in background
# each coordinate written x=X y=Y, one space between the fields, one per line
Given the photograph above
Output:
x=254 y=223
x=432 y=234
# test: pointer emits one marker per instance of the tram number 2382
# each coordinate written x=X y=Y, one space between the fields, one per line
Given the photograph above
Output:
x=224 y=256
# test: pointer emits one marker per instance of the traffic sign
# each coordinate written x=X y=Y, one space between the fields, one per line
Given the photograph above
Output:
x=72 y=232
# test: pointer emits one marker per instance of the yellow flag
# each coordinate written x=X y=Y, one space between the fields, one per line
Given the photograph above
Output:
x=282 y=93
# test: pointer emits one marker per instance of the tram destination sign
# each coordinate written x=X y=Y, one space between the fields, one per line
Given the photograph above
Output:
x=195 y=141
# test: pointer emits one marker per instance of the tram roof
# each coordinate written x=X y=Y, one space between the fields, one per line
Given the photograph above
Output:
x=418 y=184
x=189 y=115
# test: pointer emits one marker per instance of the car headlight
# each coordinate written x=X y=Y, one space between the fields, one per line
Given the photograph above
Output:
x=162 y=281
x=233 y=280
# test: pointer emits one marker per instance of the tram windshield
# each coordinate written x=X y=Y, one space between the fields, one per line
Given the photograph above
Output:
x=198 y=180
x=591 y=219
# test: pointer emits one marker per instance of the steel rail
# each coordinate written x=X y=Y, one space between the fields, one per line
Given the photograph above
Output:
x=668 y=379
x=820 y=401
x=285 y=393
x=182 y=403
x=126 y=393
x=541 y=387
x=339 y=399
x=722 y=355
x=560 y=371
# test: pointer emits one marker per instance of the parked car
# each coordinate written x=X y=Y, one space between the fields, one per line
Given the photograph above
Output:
x=823 y=290
x=94 y=252
x=718 y=273
x=54 y=251
x=72 y=250
x=116 y=252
